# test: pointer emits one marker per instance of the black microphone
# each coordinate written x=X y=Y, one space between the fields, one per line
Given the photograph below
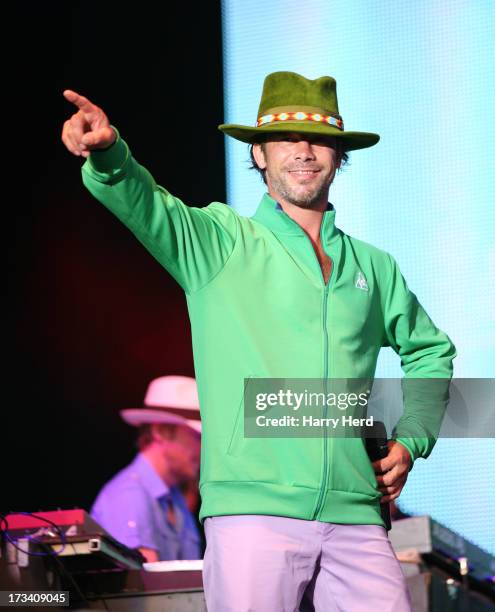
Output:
x=377 y=448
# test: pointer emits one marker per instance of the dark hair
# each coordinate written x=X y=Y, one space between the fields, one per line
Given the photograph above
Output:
x=262 y=172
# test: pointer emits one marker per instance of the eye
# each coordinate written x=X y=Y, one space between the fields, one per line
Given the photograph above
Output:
x=325 y=142
x=288 y=138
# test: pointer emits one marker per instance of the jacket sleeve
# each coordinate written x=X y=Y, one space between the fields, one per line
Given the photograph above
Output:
x=193 y=244
x=426 y=355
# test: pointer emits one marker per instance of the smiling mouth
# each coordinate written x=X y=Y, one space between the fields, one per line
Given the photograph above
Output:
x=303 y=171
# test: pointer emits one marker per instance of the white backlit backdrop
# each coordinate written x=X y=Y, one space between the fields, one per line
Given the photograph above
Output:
x=420 y=74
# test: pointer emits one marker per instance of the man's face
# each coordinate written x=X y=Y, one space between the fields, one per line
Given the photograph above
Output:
x=182 y=453
x=299 y=167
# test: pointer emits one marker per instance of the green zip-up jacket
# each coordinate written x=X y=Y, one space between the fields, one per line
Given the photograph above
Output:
x=259 y=308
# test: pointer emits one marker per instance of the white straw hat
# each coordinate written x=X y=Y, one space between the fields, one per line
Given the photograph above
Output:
x=169 y=399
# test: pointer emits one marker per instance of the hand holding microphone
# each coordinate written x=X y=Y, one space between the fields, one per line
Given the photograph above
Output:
x=391 y=462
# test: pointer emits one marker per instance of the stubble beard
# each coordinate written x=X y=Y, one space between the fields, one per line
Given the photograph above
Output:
x=307 y=198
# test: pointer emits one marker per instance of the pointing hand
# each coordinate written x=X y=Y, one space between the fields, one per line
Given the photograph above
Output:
x=87 y=130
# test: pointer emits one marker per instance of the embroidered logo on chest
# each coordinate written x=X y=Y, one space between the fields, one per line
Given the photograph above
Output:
x=360 y=281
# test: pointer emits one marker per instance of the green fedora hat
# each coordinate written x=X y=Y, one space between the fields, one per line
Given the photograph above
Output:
x=292 y=103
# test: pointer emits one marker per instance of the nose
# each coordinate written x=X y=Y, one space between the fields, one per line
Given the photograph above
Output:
x=303 y=150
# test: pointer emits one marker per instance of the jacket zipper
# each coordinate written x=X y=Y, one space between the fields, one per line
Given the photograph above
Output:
x=326 y=285
x=319 y=502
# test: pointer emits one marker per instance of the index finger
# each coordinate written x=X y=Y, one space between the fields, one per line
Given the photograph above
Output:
x=80 y=101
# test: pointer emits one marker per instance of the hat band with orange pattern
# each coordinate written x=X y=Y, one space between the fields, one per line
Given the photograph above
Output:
x=299 y=116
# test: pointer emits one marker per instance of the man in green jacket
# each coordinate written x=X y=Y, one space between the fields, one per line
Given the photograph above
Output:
x=284 y=294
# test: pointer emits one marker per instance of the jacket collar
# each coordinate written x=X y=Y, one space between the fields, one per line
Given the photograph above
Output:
x=271 y=215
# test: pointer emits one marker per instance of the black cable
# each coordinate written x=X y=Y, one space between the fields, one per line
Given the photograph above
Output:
x=49 y=552
x=63 y=572
x=4 y=531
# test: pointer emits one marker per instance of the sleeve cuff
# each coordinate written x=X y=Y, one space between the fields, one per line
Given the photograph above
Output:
x=110 y=160
x=407 y=443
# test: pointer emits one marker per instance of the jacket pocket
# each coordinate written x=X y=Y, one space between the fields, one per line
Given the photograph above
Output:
x=351 y=468
x=238 y=427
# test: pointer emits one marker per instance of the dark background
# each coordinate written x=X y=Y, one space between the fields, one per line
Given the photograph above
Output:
x=92 y=316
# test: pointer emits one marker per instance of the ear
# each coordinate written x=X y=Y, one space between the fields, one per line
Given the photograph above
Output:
x=259 y=156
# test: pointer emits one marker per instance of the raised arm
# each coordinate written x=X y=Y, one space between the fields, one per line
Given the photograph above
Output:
x=193 y=244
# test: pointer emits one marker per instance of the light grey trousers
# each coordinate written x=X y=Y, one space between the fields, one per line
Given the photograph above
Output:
x=258 y=563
